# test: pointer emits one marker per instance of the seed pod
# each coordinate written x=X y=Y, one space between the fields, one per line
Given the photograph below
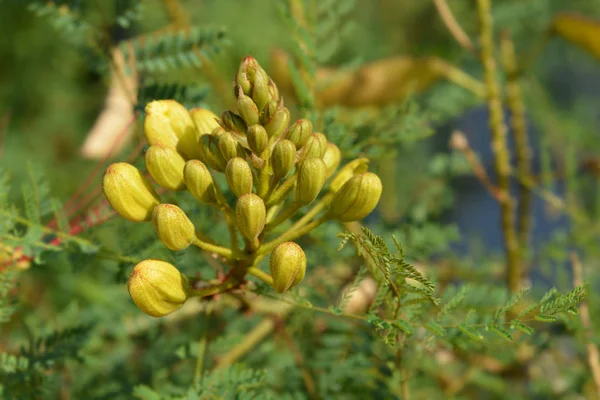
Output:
x=300 y=132
x=211 y=154
x=260 y=91
x=354 y=167
x=257 y=138
x=287 y=266
x=273 y=91
x=205 y=120
x=316 y=146
x=279 y=121
x=239 y=176
x=283 y=158
x=230 y=147
x=165 y=166
x=157 y=287
x=247 y=108
x=311 y=178
x=199 y=182
x=233 y=123
x=168 y=123
x=250 y=215
x=332 y=158
x=129 y=193
x=357 y=198
x=173 y=227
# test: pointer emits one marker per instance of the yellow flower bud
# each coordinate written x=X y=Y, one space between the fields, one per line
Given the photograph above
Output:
x=278 y=121
x=239 y=176
x=199 y=182
x=269 y=111
x=211 y=154
x=233 y=123
x=218 y=131
x=257 y=138
x=273 y=91
x=168 y=123
x=311 y=178
x=260 y=91
x=157 y=287
x=165 y=166
x=300 y=132
x=248 y=73
x=247 y=109
x=173 y=227
x=354 y=167
x=332 y=158
x=357 y=198
x=283 y=158
x=250 y=215
x=287 y=266
x=315 y=146
x=230 y=147
x=129 y=193
x=205 y=120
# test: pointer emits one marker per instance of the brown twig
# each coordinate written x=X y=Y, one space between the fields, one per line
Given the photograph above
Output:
x=584 y=314
x=453 y=26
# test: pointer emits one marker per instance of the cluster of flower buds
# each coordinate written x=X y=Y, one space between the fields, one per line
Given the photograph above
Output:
x=272 y=169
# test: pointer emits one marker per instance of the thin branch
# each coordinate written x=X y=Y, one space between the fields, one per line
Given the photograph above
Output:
x=453 y=26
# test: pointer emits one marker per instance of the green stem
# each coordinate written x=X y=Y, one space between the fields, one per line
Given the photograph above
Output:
x=260 y=274
x=279 y=194
x=263 y=186
x=287 y=213
x=230 y=220
x=222 y=251
x=317 y=208
x=202 y=348
x=215 y=289
x=273 y=211
x=291 y=234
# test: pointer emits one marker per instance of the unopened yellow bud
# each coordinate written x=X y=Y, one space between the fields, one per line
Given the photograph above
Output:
x=250 y=215
x=157 y=287
x=357 y=198
x=168 y=123
x=199 y=182
x=247 y=109
x=239 y=176
x=260 y=91
x=248 y=73
x=278 y=122
x=233 y=123
x=354 y=167
x=129 y=193
x=165 y=166
x=211 y=154
x=273 y=91
x=205 y=120
x=257 y=138
x=283 y=158
x=315 y=146
x=218 y=131
x=300 y=132
x=230 y=147
x=332 y=158
x=173 y=227
x=287 y=266
x=311 y=178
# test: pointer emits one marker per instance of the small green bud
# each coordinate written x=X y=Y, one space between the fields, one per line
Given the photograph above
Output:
x=129 y=193
x=300 y=132
x=260 y=91
x=218 y=131
x=239 y=176
x=250 y=215
x=248 y=73
x=354 y=167
x=311 y=178
x=173 y=227
x=165 y=166
x=234 y=123
x=168 y=123
x=205 y=120
x=279 y=122
x=257 y=138
x=230 y=147
x=357 y=198
x=247 y=108
x=332 y=158
x=211 y=154
x=287 y=266
x=269 y=111
x=273 y=91
x=283 y=158
x=199 y=182
x=315 y=146
x=157 y=287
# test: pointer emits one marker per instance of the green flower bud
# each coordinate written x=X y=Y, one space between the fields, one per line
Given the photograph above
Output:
x=279 y=122
x=248 y=73
x=315 y=146
x=218 y=131
x=157 y=287
x=250 y=215
x=311 y=178
x=239 y=176
x=273 y=91
x=247 y=109
x=233 y=122
x=283 y=158
x=230 y=147
x=287 y=266
x=300 y=132
x=129 y=193
x=165 y=166
x=168 y=123
x=354 y=167
x=257 y=138
x=211 y=154
x=260 y=91
x=357 y=198
x=173 y=227
x=332 y=158
x=199 y=182
x=268 y=112
x=205 y=120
